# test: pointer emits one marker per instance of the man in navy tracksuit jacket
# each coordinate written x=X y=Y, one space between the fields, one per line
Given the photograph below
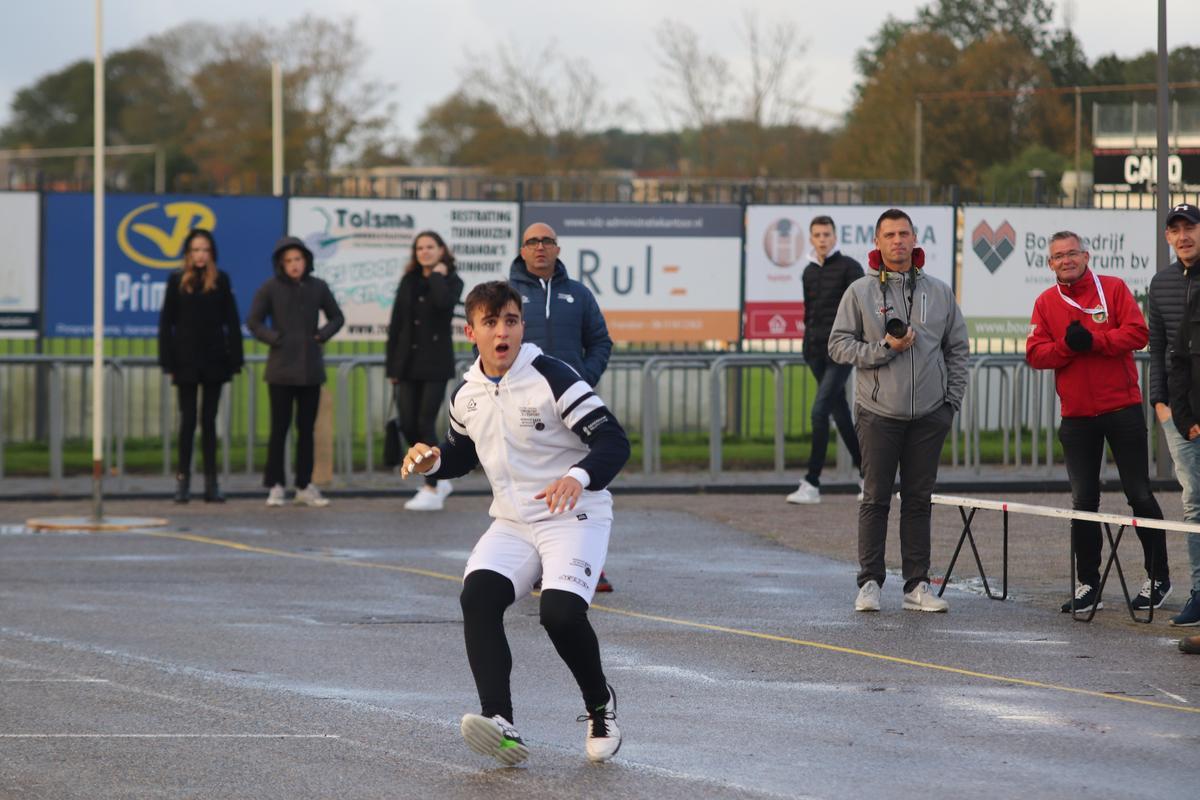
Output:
x=549 y=447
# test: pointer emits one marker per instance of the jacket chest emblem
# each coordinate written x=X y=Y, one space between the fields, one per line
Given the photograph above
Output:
x=531 y=418
x=472 y=406
x=567 y=297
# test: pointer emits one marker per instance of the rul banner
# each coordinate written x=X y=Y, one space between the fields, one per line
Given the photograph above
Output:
x=362 y=246
x=661 y=273
x=1005 y=266
x=143 y=242
x=19 y=279
x=778 y=250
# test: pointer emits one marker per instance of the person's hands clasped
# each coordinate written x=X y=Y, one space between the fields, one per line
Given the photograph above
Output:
x=903 y=343
x=420 y=458
x=561 y=495
x=1078 y=338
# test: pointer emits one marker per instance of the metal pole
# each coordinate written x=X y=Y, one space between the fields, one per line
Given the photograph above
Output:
x=160 y=171
x=1078 y=140
x=276 y=129
x=1163 y=193
x=98 y=269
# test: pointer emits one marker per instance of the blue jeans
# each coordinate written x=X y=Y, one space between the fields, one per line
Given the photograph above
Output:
x=830 y=401
x=1186 y=456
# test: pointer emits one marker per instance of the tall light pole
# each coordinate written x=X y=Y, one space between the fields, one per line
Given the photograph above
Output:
x=98 y=269
x=1164 y=180
x=276 y=128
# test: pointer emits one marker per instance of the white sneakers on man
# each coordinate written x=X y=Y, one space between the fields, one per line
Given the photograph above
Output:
x=311 y=496
x=277 y=496
x=603 y=738
x=445 y=488
x=427 y=499
x=868 y=597
x=805 y=494
x=922 y=598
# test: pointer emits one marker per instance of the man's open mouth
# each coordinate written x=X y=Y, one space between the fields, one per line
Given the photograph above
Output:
x=501 y=349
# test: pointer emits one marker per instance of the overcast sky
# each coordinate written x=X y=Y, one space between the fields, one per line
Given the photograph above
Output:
x=420 y=47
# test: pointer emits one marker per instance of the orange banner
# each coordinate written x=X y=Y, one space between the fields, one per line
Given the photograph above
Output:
x=672 y=326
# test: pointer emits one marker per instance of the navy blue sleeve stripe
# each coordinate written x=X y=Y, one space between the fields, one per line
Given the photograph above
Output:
x=457 y=389
x=559 y=374
x=608 y=447
x=454 y=419
x=578 y=400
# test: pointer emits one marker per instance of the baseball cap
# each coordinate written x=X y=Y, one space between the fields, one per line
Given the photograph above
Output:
x=1185 y=211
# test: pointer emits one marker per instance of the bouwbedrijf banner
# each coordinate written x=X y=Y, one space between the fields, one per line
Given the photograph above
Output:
x=778 y=250
x=1005 y=264
x=362 y=246
x=660 y=273
x=19 y=306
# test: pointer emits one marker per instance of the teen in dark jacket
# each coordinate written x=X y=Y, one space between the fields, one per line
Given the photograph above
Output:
x=199 y=347
x=420 y=353
x=292 y=300
x=826 y=278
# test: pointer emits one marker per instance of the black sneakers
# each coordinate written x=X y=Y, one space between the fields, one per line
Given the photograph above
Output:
x=1085 y=598
x=1152 y=595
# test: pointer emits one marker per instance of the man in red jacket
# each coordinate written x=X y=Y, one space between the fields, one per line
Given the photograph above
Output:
x=1086 y=328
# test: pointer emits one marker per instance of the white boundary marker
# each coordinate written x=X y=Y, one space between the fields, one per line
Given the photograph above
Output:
x=1065 y=513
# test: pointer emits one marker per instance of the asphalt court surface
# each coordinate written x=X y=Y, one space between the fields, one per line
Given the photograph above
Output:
x=251 y=652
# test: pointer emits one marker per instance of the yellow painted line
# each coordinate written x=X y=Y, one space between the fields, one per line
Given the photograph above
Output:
x=769 y=637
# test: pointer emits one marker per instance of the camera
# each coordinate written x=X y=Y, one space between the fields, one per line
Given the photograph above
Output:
x=896 y=328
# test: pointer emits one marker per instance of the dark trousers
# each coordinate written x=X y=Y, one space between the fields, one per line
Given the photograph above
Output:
x=486 y=595
x=283 y=398
x=211 y=400
x=915 y=446
x=830 y=401
x=1083 y=441
x=417 y=405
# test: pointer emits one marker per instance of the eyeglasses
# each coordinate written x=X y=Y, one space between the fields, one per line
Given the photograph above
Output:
x=545 y=241
x=1058 y=258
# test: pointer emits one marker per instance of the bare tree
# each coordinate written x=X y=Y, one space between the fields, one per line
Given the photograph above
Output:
x=696 y=83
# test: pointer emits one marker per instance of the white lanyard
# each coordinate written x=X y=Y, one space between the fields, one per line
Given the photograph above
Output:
x=1102 y=310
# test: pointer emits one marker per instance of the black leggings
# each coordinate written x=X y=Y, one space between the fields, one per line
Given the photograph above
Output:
x=208 y=425
x=306 y=400
x=417 y=405
x=485 y=597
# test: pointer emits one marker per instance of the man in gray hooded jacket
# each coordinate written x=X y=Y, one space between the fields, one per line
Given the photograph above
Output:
x=904 y=332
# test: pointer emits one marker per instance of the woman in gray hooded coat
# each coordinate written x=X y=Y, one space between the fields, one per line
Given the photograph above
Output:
x=291 y=300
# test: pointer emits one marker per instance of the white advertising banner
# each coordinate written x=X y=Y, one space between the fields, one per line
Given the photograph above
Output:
x=1005 y=266
x=362 y=246
x=19 y=281
x=661 y=273
x=777 y=251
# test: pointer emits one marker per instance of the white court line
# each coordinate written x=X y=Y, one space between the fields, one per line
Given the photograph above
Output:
x=53 y=680
x=169 y=736
x=1174 y=697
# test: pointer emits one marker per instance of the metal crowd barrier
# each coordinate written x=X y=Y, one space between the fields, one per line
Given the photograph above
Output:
x=1003 y=395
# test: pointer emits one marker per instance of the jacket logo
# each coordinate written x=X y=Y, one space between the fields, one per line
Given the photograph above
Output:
x=530 y=418
x=591 y=426
x=993 y=246
x=525 y=300
x=567 y=297
x=472 y=405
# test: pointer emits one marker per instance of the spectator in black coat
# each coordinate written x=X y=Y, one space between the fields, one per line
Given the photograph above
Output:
x=200 y=348
x=292 y=299
x=826 y=278
x=420 y=352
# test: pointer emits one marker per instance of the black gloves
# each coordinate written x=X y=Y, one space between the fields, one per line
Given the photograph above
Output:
x=1078 y=338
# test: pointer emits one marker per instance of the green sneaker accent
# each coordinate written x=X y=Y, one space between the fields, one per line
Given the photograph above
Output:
x=508 y=744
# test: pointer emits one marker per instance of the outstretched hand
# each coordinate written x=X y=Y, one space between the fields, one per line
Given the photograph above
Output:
x=420 y=458
x=561 y=495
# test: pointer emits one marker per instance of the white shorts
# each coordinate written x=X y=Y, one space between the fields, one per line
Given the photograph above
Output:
x=567 y=553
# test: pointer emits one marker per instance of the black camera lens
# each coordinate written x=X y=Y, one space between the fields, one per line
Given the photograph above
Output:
x=896 y=328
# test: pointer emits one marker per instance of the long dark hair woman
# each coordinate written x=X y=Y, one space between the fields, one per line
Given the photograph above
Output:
x=200 y=348
x=420 y=352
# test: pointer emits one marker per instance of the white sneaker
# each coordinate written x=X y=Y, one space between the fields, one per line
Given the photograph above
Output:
x=805 y=494
x=277 y=496
x=445 y=488
x=495 y=737
x=311 y=496
x=922 y=598
x=868 y=597
x=603 y=736
x=426 y=500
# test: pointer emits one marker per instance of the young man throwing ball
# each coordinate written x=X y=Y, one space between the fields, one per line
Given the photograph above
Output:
x=549 y=447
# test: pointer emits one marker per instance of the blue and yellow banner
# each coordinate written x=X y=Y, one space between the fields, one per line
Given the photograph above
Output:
x=143 y=243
